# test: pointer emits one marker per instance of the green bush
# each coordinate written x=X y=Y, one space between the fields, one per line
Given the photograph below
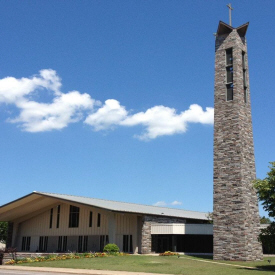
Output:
x=111 y=248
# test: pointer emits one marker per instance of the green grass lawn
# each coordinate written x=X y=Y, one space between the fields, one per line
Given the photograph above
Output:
x=185 y=265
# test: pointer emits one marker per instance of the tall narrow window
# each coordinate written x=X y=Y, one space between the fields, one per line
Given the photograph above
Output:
x=229 y=57
x=98 y=219
x=229 y=74
x=128 y=243
x=80 y=244
x=74 y=216
x=104 y=239
x=85 y=243
x=244 y=77
x=51 y=218
x=62 y=243
x=58 y=216
x=43 y=244
x=125 y=243
x=229 y=92
x=59 y=247
x=26 y=244
x=91 y=219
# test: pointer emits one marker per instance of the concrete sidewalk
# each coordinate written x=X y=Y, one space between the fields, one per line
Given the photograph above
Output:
x=73 y=271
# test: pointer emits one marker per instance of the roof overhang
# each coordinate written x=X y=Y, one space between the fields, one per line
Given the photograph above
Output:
x=39 y=202
x=224 y=28
x=242 y=29
x=25 y=206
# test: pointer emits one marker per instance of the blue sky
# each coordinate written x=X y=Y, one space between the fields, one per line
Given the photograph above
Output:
x=127 y=91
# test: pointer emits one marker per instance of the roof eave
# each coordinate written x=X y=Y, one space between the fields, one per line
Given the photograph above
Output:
x=224 y=28
x=243 y=29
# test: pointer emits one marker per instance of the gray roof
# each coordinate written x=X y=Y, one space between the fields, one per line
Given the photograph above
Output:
x=129 y=207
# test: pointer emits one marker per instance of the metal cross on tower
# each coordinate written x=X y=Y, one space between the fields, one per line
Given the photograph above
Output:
x=230 y=9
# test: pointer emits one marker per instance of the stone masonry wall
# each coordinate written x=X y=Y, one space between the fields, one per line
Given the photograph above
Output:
x=236 y=217
x=146 y=239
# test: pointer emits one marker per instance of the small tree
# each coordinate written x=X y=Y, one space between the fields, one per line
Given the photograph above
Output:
x=264 y=220
x=266 y=193
x=3 y=232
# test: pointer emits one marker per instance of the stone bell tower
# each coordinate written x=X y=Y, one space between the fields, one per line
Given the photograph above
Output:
x=236 y=214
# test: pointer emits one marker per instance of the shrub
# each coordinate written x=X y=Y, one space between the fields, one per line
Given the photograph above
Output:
x=111 y=248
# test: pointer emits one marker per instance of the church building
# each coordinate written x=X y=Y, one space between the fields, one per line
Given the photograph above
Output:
x=46 y=222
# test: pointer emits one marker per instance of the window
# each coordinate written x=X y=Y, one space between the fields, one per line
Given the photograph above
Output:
x=244 y=76
x=74 y=216
x=91 y=219
x=58 y=216
x=62 y=243
x=243 y=60
x=51 y=218
x=85 y=243
x=82 y=243
x=229 y=57
x=98 y=219
x=26 y=243
x=59 y=247
x=245 y=94
x=43 y=244
x=229 y=93
x=229 y=74
x=127 y=243
x=104 y=239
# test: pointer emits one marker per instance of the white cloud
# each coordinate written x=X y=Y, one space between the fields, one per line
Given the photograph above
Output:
x=73 y=106
x=176 y=203
x=163 y=203
x=13 y=90
x=160 y=120
x=38 y=117
x=65 y=109
x=160 y=203
x=110 y=114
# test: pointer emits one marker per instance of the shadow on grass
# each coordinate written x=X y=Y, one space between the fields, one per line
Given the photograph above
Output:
x=260 y=267
x=266 y=267
x=204 y=257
